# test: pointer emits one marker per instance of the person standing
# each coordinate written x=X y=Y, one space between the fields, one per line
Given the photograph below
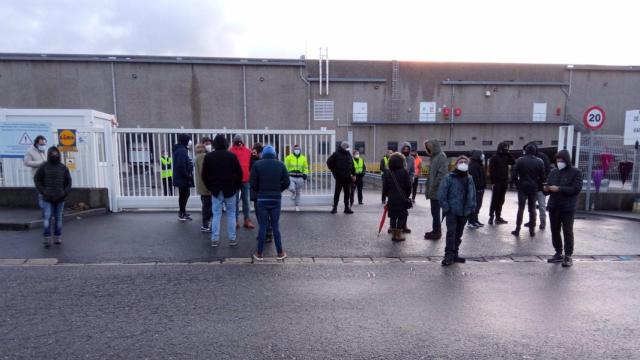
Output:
x=201 y=189
x=269 y=178
x=183 y=174
x=166 y=173
x=476 y=170
x=438 y=169
x=540 y=196
x=527 y=175
x=397 y=187
x=416 y=177
x=384 y=168
x=341 y=165
x=564 y=186
x=298 y=168
x=53 y=182
x=499 y=175
x=411 y=169
x=34 y=157
x=360 y=169
x=244 y=157
x=457 y=196
x=256 y=154
x=222 y=175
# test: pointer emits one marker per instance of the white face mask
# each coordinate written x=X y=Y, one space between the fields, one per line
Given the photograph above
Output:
x=482 y=157
x=561 y=165
x=357 y=156
x=42 y=148
x=208 y=147
x=190 y=144
x=296 y=151
x=463 y=167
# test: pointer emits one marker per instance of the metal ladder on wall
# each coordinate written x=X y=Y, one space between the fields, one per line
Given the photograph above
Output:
x=395 y=91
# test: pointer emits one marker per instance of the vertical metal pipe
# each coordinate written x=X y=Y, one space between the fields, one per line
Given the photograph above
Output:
x=589 y=171
x=113 y=89
x=320 y=71
x=327 y=64
x=244 y=94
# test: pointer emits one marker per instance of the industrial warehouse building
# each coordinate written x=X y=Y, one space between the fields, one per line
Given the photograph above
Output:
x=373 y=104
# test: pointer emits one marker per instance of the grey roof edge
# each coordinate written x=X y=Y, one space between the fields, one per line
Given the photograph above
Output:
x=632 y=68
x=351 y=79
x=503 y=83
x=150 y=59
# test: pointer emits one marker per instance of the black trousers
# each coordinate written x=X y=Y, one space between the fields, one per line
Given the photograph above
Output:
x=183 y=197
x=435 y=214
x=398 y=222
x=207 y=212
x=562 y=221
x=358 y=185
x=384 y=199
x=531 y=203
x=499 y=190
x=414 y=188
x=345 y=186
x=479 y=196
x=455 y=228
x=167 y=186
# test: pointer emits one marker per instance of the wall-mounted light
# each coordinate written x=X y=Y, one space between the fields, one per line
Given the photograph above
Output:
x=261 y=78
x=134 y=76
x=376 y=87
x=487 y=93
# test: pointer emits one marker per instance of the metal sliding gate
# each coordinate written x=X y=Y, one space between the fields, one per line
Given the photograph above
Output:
x=137 y=182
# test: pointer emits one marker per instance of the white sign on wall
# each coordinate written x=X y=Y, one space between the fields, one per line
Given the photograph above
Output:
x=631 y=127
x=539 y=112
x=359 y=111
x=427 y=111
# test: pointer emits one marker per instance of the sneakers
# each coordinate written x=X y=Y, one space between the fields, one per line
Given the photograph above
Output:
x=282 y=256
x=406 y=230
x=432 y=235
x=557 y=258
x=567 y=262
x=501 y=221
x=348 y=211
x=448 y=260
x=360 y=203
x=258 y=256
x=532 y=231
x=490 y=220
x=233 y=242
x=473 y=226
x=516 y=232
x=248 y=224
x=205 y=229
x=543 y=226
x=297 y=208
x=459 y=259
x=214 y=244
x=57 y=240
x=334 y=210
x=46 y=242
x=479 y=224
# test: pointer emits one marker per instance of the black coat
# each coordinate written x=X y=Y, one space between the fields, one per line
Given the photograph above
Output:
x=53 y=181
x=269 y=177
x=499 y=165
x=528 y=173
x=182 y=164
x=569 y=180
x=476 y=170
x=221 y=171
x=341 y=164
x=397 y=199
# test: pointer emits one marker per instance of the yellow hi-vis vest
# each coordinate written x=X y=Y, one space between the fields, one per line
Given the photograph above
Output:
x=359 y=165
x=297 y=164
x=166 y=162
x=386 y=163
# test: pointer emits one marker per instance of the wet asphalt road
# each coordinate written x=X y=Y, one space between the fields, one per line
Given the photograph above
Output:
x=385 y=311
x=157 y=236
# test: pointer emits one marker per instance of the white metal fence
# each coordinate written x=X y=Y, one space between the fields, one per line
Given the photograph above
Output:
x=138 y=152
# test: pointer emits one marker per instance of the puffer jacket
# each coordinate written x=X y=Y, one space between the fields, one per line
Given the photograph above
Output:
x=528 y=172
x=53 y=180
x=182 y=164
x=397 y=203
x=457 y=194
x=437 y=170
x=341 y=164
x=569 y=180
x=476 y=170
x=499 y=164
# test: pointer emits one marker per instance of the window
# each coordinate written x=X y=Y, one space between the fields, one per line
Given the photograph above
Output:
x=554 y=142
x=427 y=111
x=359 y=145
x=414 y=145
x=459 y=143
x=359 y=112
x=487 y=142
x=323 y=148
x=323 y=110
x=539 y=111
x=392 y=145
x=443 y=143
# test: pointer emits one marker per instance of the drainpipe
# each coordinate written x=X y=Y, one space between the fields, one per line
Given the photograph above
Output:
x=308 y=84
x=113 y=90
x=244 y=94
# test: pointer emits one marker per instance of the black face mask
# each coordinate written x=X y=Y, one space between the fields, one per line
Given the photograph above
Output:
x=237 y=143
x=54 y=158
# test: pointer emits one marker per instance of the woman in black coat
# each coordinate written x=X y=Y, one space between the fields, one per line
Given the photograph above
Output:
x=397 y=188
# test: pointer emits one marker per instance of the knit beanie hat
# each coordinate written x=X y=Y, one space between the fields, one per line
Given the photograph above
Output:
x=238 y=137
x=461 y=157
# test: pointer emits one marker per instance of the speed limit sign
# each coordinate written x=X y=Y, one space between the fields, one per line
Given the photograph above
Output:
x=593 y=118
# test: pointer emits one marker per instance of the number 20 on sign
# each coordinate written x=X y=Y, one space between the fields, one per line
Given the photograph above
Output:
x=593 y=118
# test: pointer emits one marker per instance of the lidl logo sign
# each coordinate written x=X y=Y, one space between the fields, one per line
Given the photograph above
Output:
x=67 y=140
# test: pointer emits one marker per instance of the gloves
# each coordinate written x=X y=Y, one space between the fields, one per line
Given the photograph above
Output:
x=304 y=177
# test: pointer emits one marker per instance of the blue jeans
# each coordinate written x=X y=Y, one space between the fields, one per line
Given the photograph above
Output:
x=244 y=194
x=230 y=203
x=269 y=213
x=49 y=210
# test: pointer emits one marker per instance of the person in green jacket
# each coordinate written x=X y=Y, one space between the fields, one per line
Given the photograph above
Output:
x=438 y=169
x=201 y=189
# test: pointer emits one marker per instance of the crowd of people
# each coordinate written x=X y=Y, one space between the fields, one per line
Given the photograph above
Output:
x=230 y=176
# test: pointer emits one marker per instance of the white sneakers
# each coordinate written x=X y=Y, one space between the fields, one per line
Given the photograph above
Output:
x=297 y=208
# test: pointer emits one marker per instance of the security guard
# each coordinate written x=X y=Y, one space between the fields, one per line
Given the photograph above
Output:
x=166 y=175
x=298 y=169
x=384 y=168
x=361 y=169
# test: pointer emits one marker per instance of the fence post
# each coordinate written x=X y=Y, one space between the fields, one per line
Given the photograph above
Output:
x=589 y=171
x=636 y=172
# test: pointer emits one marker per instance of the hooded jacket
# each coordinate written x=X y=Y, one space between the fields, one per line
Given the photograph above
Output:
x=221 y=171
x=457 y=194
x=545 y=160
x=182 y=164
x=341 y=164
x=437 y=170
x=269 y=177
x=397 y=203
x=569 y=180
x=499 y=165
x=476 y=170
x=52 y=179
x=410 y=161
x=244 y=157
x=201 y=188
x=528 y=172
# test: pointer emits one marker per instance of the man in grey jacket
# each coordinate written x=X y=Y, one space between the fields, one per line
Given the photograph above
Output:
x=437 y=171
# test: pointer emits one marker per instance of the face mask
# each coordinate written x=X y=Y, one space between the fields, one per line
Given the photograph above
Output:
x=190 y=144
x=464 y=167
x=561 y=165
x=42 y=148
x=208 y=147
x=296 y=152
x=238 y=143
x=54 y=158
x=524 y=152
x=357 y=156
x=482 y=157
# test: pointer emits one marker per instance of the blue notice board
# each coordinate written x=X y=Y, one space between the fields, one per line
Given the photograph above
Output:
x=17 y=137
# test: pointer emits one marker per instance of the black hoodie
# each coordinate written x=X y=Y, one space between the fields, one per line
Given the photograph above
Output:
x=182 y=164
x=52 y=179
x=221 y=171
x=341 y=164
x=569 y=180
x=499 y=165
x=528 y=172
x=476 y=170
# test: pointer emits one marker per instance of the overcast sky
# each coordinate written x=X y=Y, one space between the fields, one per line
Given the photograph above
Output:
x=540 y=31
